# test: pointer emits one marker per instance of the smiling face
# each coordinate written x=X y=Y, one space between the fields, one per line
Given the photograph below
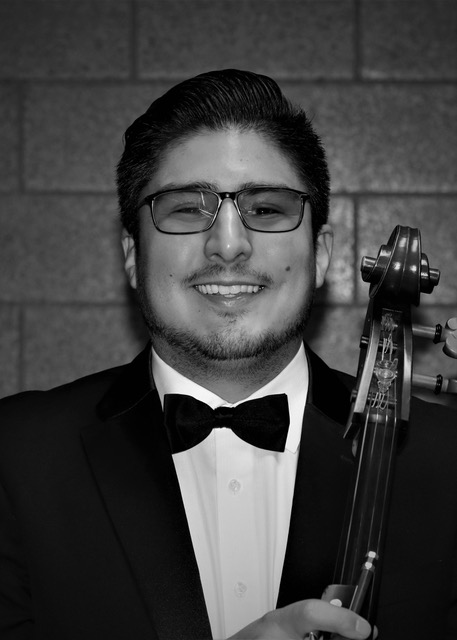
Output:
x=228 y=294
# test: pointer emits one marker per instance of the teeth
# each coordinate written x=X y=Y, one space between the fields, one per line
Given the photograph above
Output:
x=230 y=290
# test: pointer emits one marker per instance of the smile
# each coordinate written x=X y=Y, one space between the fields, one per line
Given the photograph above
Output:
x=227 y=290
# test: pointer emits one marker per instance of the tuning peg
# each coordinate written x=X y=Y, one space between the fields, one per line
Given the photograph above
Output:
x=446 y=334
x=438 y=384
x=450 y=338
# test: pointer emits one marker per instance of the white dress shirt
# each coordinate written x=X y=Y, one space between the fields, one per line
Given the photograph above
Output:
x=238 y=501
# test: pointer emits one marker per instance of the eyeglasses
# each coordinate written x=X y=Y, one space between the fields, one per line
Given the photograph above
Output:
x=265 y=209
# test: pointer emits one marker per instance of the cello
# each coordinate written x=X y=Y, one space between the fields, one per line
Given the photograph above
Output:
x=380 y=408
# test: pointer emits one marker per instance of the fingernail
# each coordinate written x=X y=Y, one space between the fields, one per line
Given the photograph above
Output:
x=362 y=627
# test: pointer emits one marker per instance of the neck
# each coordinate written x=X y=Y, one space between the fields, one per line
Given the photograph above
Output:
x=232 y=380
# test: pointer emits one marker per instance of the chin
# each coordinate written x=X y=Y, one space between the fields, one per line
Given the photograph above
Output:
x=228 y=345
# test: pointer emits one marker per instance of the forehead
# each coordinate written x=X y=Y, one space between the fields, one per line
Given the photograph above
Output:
x=226 y=159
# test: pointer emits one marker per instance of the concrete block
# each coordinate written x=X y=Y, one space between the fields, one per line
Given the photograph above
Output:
x=409 y=40
x=60 y=248
x=386 y=138
x=66 y=342
x=434 y=216
x=9 y=349
x=69 y=39
x=73 y=135
x=285 y=39
x=379 y=137
x=9 y=138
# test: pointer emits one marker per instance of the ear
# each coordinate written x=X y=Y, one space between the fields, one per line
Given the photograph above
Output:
x=324 y=245
x=128 y=246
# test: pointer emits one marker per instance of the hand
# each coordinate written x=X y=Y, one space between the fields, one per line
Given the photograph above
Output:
x=296 y=620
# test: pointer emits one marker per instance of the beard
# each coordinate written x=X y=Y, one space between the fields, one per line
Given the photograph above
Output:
x=231 y=344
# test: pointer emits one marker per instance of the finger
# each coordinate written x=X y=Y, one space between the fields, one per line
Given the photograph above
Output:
x=309 y=615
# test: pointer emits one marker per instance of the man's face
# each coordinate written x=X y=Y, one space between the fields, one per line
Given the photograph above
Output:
x=229 y=292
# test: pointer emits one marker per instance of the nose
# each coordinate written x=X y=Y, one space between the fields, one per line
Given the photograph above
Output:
x=228 y=240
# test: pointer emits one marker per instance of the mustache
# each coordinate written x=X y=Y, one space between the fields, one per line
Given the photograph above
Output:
x=216 y=270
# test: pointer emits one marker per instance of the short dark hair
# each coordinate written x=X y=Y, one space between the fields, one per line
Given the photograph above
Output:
x=215 y=101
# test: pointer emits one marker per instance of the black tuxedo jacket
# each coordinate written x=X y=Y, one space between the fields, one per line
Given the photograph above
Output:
x=94 y=540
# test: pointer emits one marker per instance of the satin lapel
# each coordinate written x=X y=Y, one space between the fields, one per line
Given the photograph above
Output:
x=322 y=485
x=132 y=465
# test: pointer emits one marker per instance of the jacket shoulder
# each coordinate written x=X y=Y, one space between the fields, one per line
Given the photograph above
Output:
x=71 y=402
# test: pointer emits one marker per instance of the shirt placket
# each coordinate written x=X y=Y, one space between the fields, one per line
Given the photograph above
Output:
x=238 y=548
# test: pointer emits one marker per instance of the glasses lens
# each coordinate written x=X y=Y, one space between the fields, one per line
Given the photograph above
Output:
x=270 y=209
x=184 y=211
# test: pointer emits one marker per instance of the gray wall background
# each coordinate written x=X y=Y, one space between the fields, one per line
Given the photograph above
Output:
x=379 y=78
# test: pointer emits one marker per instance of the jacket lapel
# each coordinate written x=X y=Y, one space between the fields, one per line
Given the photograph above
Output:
x=322 y=487
x=130 y=457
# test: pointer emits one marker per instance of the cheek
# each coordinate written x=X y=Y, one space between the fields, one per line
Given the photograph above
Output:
x=299 y=273
x=164 y=267
x=291 y=257
x=155 y=272
x=294 y=262
x=159 y=259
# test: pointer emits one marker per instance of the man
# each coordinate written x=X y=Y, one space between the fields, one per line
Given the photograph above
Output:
x=113 y=525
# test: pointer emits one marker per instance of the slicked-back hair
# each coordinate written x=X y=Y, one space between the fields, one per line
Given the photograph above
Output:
x=217 y=101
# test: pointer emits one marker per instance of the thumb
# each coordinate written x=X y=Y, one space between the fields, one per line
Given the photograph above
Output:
x=308 y=615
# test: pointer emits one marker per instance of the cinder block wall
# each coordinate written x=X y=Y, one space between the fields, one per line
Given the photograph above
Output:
x=378 y=77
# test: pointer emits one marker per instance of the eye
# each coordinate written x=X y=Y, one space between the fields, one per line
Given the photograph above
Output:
x=183 y=205
x=265 y=203
x=184 y=209
x=264 y=210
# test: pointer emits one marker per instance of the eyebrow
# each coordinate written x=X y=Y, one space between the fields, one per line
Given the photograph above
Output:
x=214 y=187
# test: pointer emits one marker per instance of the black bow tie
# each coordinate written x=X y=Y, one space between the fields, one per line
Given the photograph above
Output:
x=263 y=423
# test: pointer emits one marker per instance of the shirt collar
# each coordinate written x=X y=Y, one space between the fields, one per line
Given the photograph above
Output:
x=293 y=380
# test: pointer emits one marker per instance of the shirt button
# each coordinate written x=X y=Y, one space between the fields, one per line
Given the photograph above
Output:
x=234 y=486
x=240 y=589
